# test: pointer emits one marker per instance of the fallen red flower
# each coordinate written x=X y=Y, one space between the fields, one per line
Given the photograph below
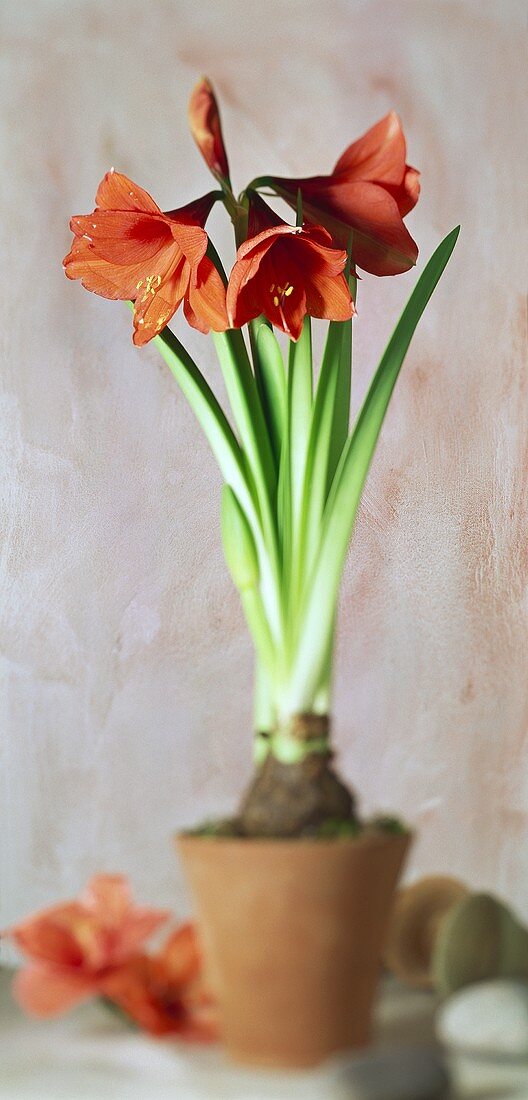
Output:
x=285 y=272
x=128 y=249
x=73 y=946
x=163 y=993
x=368 y=194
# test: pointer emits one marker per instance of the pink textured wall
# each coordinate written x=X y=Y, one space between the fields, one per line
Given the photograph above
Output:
x=126 y=667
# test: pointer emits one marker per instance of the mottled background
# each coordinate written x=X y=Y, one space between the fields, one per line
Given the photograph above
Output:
x=126 y=669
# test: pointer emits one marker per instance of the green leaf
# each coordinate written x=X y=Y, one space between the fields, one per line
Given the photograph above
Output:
x=239 y=544
x=272 y=379
x=259 y=629
x=341 y=416
x=249 y=417
x=347 y=486
x=242 y=560
x=320 y=445
x=264 y=714
x=284 y=513
x=299 y=410
x=299 y=209
x=210 y=416
x=341 y=419
x=231 y=460
x=299 y=415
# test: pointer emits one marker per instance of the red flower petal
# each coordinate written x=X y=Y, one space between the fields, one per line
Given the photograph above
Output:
x=205 y=305
x=109 y=280
x=124 y=236
x=181 y=955
x=408 y=192
x=192 y=240
x=329 y=298
x=118 y=192
x=132 y=988
x=379 y=155
x=44 y=991
x=156 y=995
x=50 y=935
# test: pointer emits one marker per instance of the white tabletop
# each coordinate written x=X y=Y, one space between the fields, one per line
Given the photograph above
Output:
x=90 y=1054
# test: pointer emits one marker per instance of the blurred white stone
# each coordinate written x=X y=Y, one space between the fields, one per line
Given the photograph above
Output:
x=488 y=1019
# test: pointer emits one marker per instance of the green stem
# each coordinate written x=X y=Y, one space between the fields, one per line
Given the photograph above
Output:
x=265 y=715
x=259 y=629
x=341 y=508
x=300 y=384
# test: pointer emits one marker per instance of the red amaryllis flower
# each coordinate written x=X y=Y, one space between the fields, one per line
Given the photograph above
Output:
x=286 y=272
x=129 y=249
x=204 y=122
x=75 y=945
x=163 y=993
x=369 y=192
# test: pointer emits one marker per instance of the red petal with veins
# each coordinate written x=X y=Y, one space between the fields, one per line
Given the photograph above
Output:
x=117 y=192
x=206 y=299
x=369 y=192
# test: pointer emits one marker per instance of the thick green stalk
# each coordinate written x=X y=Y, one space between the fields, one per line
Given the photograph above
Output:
x=271 y=380
x=257 y=621
x=323 y=696
x=265 y=713
x=249 y=418
x=242 y=560
x=315 y=487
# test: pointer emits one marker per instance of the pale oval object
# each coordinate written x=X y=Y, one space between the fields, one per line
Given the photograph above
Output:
x=488 y=1018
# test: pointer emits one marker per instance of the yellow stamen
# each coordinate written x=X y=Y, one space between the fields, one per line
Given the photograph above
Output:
x=151 y=285
x=282 y=293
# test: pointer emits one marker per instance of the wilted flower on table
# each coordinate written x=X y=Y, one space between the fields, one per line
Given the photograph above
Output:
x=369 y=192
x=73 y=946
x=129 y=249
x=204 y=122
x=285 y=272
x=163 y=993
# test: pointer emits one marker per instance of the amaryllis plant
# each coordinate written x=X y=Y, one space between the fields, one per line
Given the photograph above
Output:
x=293 y=466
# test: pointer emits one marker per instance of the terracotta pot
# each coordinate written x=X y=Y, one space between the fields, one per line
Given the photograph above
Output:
x=293 y=932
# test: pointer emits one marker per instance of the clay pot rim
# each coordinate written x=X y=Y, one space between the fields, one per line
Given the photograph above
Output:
x=376 y=838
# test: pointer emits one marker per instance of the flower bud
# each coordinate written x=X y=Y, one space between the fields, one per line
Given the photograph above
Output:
x=204 y=122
